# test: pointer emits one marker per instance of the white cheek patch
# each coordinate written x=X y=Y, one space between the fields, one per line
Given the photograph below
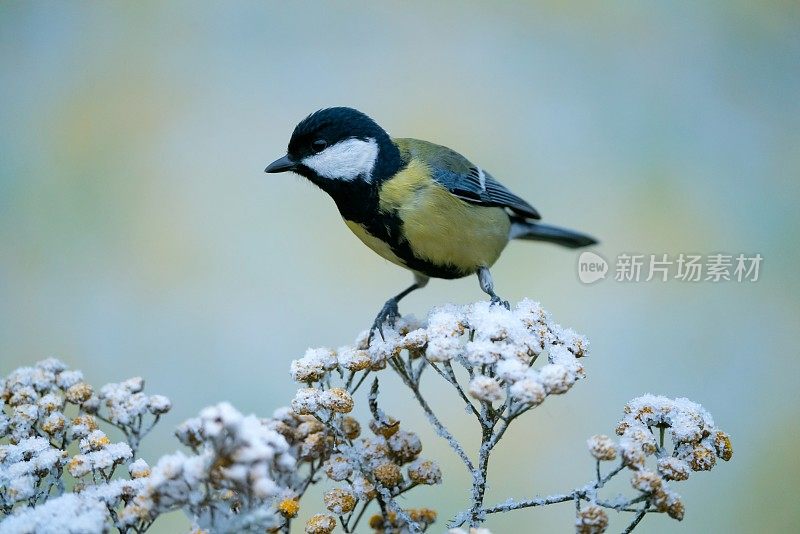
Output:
x=346 y=160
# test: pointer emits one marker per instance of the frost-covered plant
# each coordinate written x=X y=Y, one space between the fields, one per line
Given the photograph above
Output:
x=239 y=466
x=49 y=426
x=511 y=361
x=60 y=471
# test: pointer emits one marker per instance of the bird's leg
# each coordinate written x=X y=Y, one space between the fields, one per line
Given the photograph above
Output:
x=487 y=285
x=390 y=313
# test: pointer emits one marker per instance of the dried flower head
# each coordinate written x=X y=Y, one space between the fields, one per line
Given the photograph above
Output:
x=363 y=489
x=528 y=391
x=337 y=400
x=404 y=446
x=646 y=481
x=339 y=501
x=388 y=474
x=425 y=472
x=354 y=359
x=306 y=401
x=158 y=404
x=139 y=469
x=338 y=467
x=672 y=468
x=485 y=388
x=701 y=456
x=722 y=445
x=602 y=447
x=313 y=365
x=320 y=524
x=422 y=516
x=78 y=393
x=591 y=519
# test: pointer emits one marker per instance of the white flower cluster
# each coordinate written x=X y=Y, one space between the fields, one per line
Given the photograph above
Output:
x=696 y=441
x=36 y=432
x=27 y=469
x=696 y=444
x=498 y=347
x=126 y=403
x=98 y=456
x=246 y=474
x=69 y=514
x=44 y=410
x=501 y=347
x=239 y=460
x=239 y=466
x=365 y=468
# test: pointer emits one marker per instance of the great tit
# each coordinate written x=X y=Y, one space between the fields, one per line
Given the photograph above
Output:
x=420 y=205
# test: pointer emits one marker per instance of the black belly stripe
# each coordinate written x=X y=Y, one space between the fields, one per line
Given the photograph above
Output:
x=358 y=202
x=388 y=228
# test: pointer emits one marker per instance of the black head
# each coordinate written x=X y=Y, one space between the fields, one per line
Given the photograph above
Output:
x=339 y=144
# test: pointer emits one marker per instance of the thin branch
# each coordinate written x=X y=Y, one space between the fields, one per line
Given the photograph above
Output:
x=438 y=426
x=359 y=516
x=539 y=501
x=360 y=381
x=597 y=470
x=451 y=378
x=637 y=519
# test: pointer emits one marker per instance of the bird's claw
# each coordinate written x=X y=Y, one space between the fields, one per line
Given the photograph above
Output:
x=388 y=315
x=497 y=301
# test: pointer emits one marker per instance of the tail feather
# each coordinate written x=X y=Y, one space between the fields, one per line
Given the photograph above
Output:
x=521 y=229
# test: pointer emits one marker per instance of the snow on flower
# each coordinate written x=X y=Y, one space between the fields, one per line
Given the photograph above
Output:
x=68 y=514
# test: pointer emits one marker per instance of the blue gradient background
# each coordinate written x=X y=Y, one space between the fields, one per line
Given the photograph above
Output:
x=139 y=236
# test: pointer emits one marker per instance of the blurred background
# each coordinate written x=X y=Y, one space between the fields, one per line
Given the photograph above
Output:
x=139 y=235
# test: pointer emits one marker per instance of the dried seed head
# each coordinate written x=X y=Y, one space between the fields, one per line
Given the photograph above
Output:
x=647 y=481
x=388 y=474
x=351 y=427
x=306 y=401
x=591 y=519
x=78 y=393
x=425 y=472
x=313 y=446
x=320 y=524
x=404 y=446
x=722 y=444
x=363 y=489
x=139 y=469
x=338 y=468
x=354 y=359
x=602 y=447
x=702 y=458
x=672 y=468
x=337 y=400
x=425 y=516
x=339 y=501
x=485 y=388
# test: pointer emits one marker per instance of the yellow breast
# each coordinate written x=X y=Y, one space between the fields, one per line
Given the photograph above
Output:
x=440 y=227
x=380 y=247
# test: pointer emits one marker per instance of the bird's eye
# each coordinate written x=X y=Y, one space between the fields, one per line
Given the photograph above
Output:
x=319 y=145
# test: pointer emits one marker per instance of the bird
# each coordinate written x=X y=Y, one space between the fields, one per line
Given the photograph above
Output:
x=420 y=205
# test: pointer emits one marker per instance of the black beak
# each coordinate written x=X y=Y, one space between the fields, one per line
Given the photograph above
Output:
x=281 y=165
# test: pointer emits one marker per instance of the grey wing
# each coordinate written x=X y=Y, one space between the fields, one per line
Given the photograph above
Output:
x=473 y=184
